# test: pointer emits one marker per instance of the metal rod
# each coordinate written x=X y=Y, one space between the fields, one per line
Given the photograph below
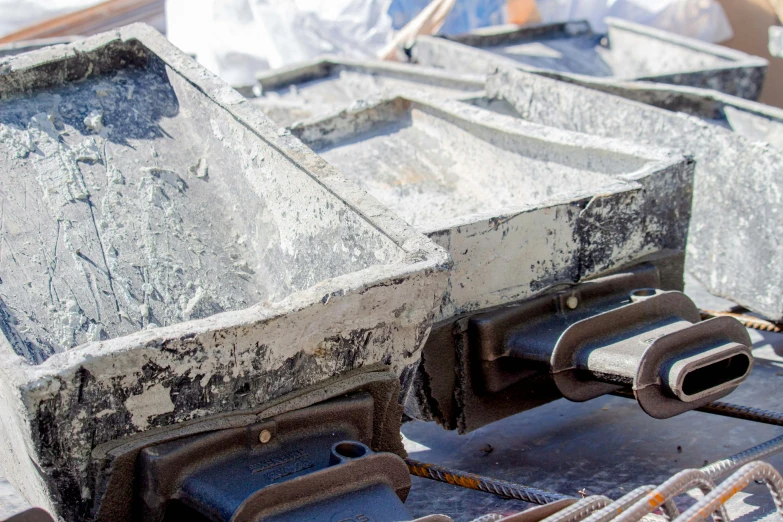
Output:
x=724 y=466
x=748 y=321
x=680 y=483
x=501 y=488
x=618 y=506
x=726 y=409
x=734 y=484
x=580 y=510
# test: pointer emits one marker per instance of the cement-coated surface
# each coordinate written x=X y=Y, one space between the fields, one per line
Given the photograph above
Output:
x=604 y=446
x=147 y=206
x=573 y=52
x=519 y=207
x=318 y=87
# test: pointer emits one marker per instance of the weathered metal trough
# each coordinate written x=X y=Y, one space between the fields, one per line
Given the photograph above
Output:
x=571 y=51
x=173 y=263
x=329 y=84
x=732 y=240
x=567 y=250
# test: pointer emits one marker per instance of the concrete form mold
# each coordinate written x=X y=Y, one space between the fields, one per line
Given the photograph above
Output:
x=169 y=254
x=520 y=207
x=573 y=52
x=734 y=231
x=322 y=86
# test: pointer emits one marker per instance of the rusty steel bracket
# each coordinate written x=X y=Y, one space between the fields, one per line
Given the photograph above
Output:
x=309 y=464
x=610 y=333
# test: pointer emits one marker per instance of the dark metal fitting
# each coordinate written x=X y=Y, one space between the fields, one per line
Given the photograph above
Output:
x=315 y=465
x=611 y=333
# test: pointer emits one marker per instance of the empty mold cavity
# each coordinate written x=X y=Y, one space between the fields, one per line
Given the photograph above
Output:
x=436 y=169
x=318 y=88
x=130 y=200
x=627 y=51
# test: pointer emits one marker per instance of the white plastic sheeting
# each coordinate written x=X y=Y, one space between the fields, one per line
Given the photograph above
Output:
x=702 y=19
x=237 y=38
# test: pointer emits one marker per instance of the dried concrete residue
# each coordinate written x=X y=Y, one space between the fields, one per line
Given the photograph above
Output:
x=346 y=86
x=735 y=226
x=519 y=207
x=153 y=401
x=629 y=52
x=117 y=218
x=349 y=288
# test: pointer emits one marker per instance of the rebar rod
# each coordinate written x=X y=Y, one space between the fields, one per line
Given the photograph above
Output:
x=729 y=464
x=618 y=506
x=498 y=487
x=726 y=409
x=734 y=484
x=580 y=510
x=680 y=483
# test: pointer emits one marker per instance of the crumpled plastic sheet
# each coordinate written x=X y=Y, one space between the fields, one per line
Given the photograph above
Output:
x=702 y=19
x=238 y=38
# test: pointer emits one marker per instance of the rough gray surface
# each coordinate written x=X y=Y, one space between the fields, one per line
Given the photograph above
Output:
x=520 y=207
x=144 y=178
x=571 y=51
x=135 y=224
x=326 y=85
x=776 y=41
x=733 y=239
x=756 y=121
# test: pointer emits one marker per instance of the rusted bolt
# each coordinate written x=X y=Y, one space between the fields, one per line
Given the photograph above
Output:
x=265 y=436
x=572 y=302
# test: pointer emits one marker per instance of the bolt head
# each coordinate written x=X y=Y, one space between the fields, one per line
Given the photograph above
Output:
x=265 y=436
x=572 y=302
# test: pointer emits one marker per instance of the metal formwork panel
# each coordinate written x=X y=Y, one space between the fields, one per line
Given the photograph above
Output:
x=572 y=51
x=171 y=255
x=322 y=86
x=734 y=227
x=520 y=207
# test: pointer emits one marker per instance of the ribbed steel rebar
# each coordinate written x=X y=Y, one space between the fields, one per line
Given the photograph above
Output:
x=726 y=409
x=748 y=321
x=489 y=517
x=618 y=506
x=734 y=484
x=501 y=488
x=680 y=483
x=580 y=510
x=736 y=411
x=729 y=464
